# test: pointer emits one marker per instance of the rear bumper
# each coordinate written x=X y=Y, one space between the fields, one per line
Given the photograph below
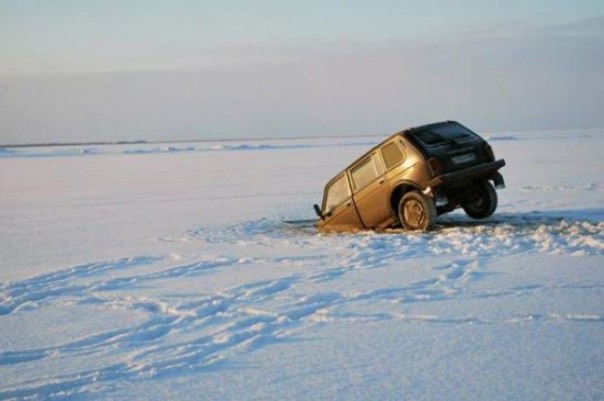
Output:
x=461 y=177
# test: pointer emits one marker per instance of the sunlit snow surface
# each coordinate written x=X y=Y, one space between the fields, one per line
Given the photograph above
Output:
x=193 y=271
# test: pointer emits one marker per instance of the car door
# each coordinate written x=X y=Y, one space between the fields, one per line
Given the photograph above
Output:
x=338 y=208
x=371 y=191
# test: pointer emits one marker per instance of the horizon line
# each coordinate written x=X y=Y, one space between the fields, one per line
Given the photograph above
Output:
x=270 y=138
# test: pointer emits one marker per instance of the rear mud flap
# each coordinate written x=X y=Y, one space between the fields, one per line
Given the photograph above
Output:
x=498 y=180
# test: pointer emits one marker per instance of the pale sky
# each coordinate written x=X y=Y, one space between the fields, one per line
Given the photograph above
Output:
x=175 y=70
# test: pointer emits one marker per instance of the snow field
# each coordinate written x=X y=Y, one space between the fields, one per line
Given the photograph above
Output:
x=197 y=275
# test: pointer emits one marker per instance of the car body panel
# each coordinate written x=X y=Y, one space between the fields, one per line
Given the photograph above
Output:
x=372 y=203
x=342 y=215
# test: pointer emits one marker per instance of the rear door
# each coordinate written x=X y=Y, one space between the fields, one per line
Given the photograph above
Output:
x=371 y=191
x=455 y=146
x=338 y=208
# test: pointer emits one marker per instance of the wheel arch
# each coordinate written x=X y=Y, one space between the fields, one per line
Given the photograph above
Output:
x=397 y=192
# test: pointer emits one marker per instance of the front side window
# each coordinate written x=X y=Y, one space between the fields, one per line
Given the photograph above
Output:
x=337 y=193
x=366 y=171
x=392 y=155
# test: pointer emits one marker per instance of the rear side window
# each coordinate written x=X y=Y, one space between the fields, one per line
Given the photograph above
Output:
x=392 y=155
x=367 y=171
x=337 y=193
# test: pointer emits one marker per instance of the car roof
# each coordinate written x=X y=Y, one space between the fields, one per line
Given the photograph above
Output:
x=412 y=129
x=400 y=133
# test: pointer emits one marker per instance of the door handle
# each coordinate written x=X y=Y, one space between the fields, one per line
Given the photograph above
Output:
x=381 y=181
x=349 y=203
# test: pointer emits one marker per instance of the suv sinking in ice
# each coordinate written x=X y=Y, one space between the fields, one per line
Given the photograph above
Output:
x=412 y=177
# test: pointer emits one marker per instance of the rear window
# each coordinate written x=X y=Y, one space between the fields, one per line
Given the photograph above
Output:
x=443 y=134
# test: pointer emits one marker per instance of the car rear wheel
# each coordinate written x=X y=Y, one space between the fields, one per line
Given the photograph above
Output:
x=416 y=211
x=482 y=201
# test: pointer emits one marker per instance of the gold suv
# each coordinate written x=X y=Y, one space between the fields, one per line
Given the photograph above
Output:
x=412 y=177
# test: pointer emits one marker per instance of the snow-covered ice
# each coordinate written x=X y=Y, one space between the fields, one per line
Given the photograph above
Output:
x=192 y=271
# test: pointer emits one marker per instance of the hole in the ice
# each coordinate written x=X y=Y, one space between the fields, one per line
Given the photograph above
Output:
x=556 y=231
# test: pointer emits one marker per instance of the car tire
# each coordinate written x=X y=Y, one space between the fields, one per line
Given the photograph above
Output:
x=416 y=211
x=482 y=201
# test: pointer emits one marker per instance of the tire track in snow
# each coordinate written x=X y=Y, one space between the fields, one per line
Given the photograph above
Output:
x=38 y=288
x=241 y=328
x=477 y=243
x=45 y=288
x=212 y=329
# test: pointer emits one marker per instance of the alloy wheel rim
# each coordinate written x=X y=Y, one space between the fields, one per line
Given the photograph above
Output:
x=413 y=213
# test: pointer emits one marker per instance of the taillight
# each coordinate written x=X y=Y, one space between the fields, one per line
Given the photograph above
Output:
x=435 y=166
x=489 y=151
